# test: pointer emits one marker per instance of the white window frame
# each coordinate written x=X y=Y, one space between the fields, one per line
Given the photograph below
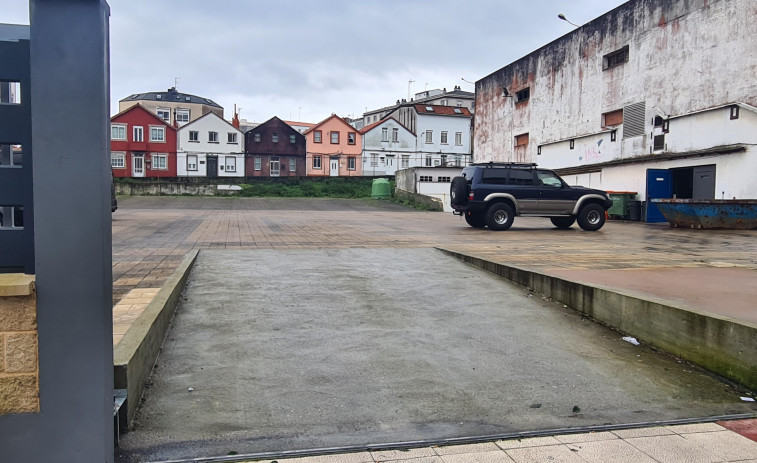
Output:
x=335 y=135
x=317 y=136
x=159 y=158
x=292 y=164
x=384 y=134
x=256 y=137
x=374 y=160
x=194 y=136
x=395 y=135
x=317 y=162
x=231 y=137
x=212 y=136
x=182 y=115
x=166 y=111
x=154 y=131
x=429 y=136
x=138 y=134
x=292 y=139
x=444 y=137
x=459 y=138
x=405 y=161
x=258 y=163
x=351 y=163
x=191 y=162
x=114 y=160
x=119 y=129
x=231 y=163
x=428 y=161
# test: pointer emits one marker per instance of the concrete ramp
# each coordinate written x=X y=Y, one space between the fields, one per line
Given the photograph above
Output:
x=276 y=350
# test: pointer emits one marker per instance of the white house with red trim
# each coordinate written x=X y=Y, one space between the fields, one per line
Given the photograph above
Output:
x=210 y=147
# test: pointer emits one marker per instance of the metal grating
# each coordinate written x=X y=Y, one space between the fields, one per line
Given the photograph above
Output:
x=633 y=120
x=16 y=211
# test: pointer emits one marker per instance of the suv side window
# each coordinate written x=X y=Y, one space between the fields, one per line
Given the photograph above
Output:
x=549 y=179
x=494 y=176
x=521 y=177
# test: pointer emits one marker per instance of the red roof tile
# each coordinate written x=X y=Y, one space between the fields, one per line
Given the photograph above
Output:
x=442 y=110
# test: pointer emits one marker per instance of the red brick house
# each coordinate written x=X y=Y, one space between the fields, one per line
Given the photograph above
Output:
x=141 y=144
x=274 y=149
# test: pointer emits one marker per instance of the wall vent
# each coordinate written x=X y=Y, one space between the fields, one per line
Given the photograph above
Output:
x=633 y=120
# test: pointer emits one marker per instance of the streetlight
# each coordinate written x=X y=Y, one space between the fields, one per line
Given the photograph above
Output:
x=466 y=80
x=562 y=16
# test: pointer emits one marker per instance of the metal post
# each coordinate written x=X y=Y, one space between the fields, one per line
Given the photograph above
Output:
x=72 y=240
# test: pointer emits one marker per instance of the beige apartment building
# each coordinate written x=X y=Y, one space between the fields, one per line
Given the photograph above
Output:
x=172 y=106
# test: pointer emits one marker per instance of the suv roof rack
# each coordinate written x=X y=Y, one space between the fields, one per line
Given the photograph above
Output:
x=505 y=164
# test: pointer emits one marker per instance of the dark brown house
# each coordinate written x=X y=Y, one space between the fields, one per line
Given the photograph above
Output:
x=274 y=149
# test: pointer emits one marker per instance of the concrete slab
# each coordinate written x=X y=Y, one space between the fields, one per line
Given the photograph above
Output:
x=297 y=349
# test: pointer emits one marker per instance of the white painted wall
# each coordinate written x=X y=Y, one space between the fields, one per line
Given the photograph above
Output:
x=437 y=124
x=388 y=154
x=409 y=180
x=202 y=148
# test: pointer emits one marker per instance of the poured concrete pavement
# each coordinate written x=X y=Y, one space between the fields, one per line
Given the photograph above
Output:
x=297 y=349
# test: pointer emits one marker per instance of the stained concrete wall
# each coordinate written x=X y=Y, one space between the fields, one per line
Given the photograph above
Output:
x=684 y=56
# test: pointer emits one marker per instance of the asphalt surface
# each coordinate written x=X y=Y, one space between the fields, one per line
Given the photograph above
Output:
x=307 y=348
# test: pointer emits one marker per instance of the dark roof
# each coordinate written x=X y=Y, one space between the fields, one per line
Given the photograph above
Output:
x=442 y=110
x=453 y=93
x=172 y=96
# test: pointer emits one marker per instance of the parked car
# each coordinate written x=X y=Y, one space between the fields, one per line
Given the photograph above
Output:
x=492 y=194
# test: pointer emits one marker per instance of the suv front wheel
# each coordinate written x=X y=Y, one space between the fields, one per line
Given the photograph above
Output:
x=500 y=216
x=591 y=217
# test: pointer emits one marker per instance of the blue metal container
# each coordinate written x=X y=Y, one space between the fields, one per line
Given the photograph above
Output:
x=733 y=214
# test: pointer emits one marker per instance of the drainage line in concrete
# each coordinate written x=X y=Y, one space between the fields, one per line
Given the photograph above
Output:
x=456 y=440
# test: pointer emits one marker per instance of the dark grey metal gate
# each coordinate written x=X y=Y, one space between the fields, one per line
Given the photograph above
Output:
x=16 y=209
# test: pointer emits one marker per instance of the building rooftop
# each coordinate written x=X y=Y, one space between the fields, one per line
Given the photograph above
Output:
x=172 y=96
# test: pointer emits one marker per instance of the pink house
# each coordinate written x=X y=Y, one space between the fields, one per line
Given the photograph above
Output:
x=334 y=148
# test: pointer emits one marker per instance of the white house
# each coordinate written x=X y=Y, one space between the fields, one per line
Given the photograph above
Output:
x=443 y=133
x=387 y=147
x=210 y=147
x=656 y=97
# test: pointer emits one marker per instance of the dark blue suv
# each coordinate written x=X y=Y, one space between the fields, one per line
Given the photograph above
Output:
x=492 y=194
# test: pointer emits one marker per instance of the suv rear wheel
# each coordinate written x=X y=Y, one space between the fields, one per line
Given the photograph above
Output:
x=500 y=216
x=591 y=217
x=458 y=191
x=563 y=223
x=475 y=219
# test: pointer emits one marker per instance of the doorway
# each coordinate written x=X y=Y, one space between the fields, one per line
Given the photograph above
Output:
x=334 y=165
x=212 y=166
x=138 y=165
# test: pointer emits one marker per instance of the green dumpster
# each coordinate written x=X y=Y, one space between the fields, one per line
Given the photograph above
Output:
x=381 y=189
x=620 y=202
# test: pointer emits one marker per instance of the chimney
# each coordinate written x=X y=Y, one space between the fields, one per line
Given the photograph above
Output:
x=235 y=120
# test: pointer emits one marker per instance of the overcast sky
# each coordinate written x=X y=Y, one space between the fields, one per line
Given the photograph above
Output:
x=304 y=60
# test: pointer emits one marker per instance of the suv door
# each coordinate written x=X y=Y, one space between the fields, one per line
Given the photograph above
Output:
x=554 y=197
x=521 y=183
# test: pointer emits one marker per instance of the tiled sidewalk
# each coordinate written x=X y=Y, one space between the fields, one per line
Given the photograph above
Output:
x=708 y=442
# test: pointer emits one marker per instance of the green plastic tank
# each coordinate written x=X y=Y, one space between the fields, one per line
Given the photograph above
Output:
x=381 y=189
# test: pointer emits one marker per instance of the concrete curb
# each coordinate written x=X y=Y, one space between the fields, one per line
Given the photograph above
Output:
x=719 y=344
x=136 y=353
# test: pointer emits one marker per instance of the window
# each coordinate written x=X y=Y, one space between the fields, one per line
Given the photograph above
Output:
x=659 y=143
x=292 y=164
x=428 y=161
x=657 y=121
x=165 y=114
x=425 y=178
x=615 y=58
x=444 y=103
x=231 y=164
x=351 y=163
x=459 y=103
x=521 y=140
x=317 y=137
x=335 y=138
x=520 y=177
x=231 y=137
x=613 y=136
x=256 y=137
x=612 y=118
x=429 y=136
x=118 y=160
x=159 y=162
x=429 y=109
x=158 y=134
x=523 y=95
x=191 y=162
x=457 y=111
x=572 y=143
x=11 y=155
x=212 y=137
x=385 y=134
x=666 y=126
x=444 y=138
x=118 y=131
x=351 y=138
x=258 y=163
x=275 y=137
x=182 y=115
x=374 y=160
x=549 y=179
x=443 y=179
x=459 y=138
x=316 y=162
x=734 y=112
x=292 y=139
x=138 y=133
x=13 y=93
x=194 y=135
x=395 y=135
x=405 y=160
